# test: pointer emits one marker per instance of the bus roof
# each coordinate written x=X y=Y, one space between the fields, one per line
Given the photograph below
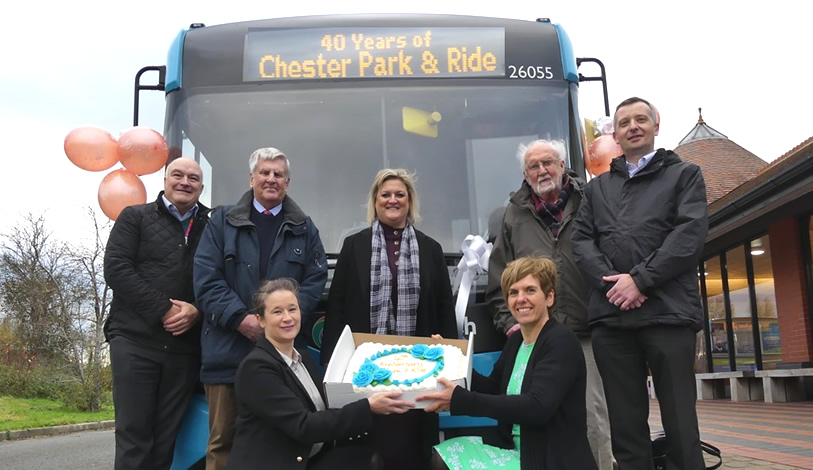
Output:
x=214 y=55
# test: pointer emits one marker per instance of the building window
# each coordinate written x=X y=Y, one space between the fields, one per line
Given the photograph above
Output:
x=715 y=303
x=765 y=300
x=740 y=302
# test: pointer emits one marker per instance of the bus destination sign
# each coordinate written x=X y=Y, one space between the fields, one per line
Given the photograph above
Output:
x=373 y=52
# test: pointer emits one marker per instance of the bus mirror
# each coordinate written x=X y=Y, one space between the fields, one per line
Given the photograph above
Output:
x=420 y=122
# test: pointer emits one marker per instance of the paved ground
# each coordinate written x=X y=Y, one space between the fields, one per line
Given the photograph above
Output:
x=762 y=436
x=775 y=436
x=86 y=450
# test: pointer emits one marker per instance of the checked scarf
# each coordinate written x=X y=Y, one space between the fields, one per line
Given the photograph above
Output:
x=409 y=284
x=552 y=213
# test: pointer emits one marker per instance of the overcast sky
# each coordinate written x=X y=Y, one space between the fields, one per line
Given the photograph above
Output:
x=69 y=64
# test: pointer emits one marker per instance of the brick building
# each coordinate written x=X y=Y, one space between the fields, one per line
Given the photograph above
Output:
x=756 y=277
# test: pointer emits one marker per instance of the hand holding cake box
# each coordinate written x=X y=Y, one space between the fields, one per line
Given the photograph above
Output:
x=364 y=363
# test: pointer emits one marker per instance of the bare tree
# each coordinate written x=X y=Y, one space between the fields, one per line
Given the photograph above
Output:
x=56 y=301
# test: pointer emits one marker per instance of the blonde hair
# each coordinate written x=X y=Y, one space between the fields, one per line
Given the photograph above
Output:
x=413 y=215
x=542 y=269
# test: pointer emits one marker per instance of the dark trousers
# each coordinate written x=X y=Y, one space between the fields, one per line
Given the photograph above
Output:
x=151 y=390
x=623 y=357
x=404 y=442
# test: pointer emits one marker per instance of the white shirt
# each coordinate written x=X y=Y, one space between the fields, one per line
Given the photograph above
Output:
x=305 y=379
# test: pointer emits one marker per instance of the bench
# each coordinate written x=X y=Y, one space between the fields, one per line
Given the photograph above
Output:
x=783 y=385
x=743 y=385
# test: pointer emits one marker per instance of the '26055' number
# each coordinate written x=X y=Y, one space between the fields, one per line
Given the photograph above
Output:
x=538 y=72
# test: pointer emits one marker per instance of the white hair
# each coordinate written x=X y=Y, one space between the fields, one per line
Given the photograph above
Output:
x=268 y=153
x=558 y=147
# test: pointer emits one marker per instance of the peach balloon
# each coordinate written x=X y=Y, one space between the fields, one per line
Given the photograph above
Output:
x=91 y=148
x=602 y=151
x=119 y=189
x=142 y=150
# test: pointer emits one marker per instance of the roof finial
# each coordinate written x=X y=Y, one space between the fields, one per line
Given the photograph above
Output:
x=700 y=119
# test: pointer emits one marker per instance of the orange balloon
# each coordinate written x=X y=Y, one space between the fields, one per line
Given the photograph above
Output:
x=142 y=150
x=91 y=148
x=602 y=151
x=119 y=189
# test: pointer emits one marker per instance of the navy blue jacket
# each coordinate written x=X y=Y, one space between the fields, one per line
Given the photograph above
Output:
x=227 y=274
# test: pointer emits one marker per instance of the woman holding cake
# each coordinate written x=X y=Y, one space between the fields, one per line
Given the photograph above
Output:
x=282 y=421
x=536 y=391
x=391 y=279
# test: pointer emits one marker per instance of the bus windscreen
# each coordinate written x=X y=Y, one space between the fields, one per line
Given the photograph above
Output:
x=373 y=52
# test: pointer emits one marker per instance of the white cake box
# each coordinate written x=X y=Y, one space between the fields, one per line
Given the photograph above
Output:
x=339 y=393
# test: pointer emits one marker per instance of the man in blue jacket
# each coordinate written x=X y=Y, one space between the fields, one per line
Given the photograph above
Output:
x=638 y=239
x=264 y=236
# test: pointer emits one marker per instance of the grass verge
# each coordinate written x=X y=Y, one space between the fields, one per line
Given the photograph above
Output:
x=25 y=413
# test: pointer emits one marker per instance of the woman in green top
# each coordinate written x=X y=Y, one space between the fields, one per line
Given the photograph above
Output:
x=535 y=392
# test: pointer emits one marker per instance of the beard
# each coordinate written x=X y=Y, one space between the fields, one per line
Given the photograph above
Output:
x=547 y=188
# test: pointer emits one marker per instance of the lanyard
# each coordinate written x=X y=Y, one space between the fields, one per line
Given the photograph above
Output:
x=188 y=229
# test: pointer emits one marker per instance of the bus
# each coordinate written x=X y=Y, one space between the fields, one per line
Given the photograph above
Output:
x=447 y=97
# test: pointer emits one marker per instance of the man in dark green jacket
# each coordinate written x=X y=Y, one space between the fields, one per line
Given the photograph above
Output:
x=638 y=239
x=538 y=222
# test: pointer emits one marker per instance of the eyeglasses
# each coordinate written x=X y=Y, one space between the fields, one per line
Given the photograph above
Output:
x=534 y=167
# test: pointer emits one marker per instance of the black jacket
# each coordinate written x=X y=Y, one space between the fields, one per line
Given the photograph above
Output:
x=524 y=233
x=277 y=423
x=550 y=408
x=653 y=227
x=349 y=297
x=146 y=263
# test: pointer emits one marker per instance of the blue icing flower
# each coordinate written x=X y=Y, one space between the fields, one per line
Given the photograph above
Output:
x=418 y=350
x=433 y=354
x=368 y=366
x=362 y=378
x=381 y=375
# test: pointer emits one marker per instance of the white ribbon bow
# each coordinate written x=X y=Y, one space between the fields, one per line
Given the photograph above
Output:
x=474 y=262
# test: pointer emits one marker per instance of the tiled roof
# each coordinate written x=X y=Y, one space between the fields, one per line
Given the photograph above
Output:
x=776 y=168
x=725 y=165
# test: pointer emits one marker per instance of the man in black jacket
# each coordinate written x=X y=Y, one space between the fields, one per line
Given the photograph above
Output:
x=154 y=326
x=638 y=239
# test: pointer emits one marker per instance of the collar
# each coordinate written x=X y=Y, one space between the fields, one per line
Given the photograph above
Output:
x=175 y=212
x=288 y=361
x=260 y=208
x=632 y=168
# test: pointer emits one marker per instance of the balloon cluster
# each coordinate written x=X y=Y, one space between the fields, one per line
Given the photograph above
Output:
x=140 y=150
x=601 y=147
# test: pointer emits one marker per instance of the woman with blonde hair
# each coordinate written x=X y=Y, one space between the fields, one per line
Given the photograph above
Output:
x=391 y=279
